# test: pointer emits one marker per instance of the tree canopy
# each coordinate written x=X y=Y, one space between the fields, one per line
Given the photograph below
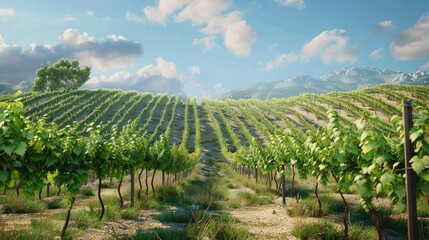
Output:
x=63 y=75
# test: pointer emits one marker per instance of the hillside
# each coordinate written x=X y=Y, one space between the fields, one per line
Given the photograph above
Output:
x=242 y=119
x=346 y=79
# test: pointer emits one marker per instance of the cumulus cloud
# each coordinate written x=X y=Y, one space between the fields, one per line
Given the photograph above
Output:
x=7 y=12
x=299 y=4
x=376 y=54
x=238 y=35
x=129 y=16
x=329 y=45
x=207 y=42
x=279 y=61
x=384 y=26
x=413 y=43
x=160 y=13
x=160 y=78
x=202 y=11
x=194 y=70
x=18 y=64
x=218 y=87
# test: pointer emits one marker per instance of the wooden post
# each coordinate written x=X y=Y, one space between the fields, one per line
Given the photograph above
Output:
x=410 y=174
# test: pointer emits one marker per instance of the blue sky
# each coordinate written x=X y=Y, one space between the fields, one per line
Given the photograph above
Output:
x=206 y=47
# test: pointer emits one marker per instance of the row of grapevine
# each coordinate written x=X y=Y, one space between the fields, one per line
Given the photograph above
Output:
x=360 y=155
x=34 y=152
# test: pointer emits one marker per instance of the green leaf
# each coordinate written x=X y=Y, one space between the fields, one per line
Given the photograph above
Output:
x=8 y=149
x=387 y=178
x=21 y=148
x=418 y=164
x=379 y=188
x=4 y=176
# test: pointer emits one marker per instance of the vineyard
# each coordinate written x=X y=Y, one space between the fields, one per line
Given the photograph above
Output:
x=341 y=147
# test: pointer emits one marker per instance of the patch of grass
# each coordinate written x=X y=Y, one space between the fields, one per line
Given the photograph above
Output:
x=130 y=213
x=316 y=230
x=210 y=226
x=169 y=194
x=159 y=233
x=357 y=232
x=84 y=219
x=304 y=208
x=40 y=229
x=175 y=217
x=55 y=204
x=13 y=204
x=253 y=199
x=87 y=192
x=423 y=207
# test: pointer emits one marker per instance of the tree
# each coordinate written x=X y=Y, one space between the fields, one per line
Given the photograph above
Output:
x=62 y=75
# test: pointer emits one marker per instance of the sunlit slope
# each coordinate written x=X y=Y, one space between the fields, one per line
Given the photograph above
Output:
x=240 y=121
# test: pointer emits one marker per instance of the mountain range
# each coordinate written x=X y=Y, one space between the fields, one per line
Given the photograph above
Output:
x=345 y=79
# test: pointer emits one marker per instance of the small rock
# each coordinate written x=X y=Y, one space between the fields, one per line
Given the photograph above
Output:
x=274 y=211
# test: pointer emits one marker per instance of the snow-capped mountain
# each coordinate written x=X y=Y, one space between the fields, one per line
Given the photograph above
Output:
x=345 y=79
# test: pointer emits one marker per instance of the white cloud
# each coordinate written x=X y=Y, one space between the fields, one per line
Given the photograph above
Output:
x=89 y=12
x=160 y=78
x=207 y=42
x=330 y=45
x=238 y=35
x=202 y=11
x=279 y=61
x=299 y=4
x=160 y=13
x=18 y=64
x=194 y=70
x=72 y=36
x=129 y=16
x=413 y=43
x=69 y=18
x=425 y=66
x=7 y=12
x=218 y=87
x=376 y=54
x=384 y=26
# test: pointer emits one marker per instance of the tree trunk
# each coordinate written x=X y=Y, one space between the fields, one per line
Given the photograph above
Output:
x=256 y=174
x=59 y=191
x=66 y=224
x=346 y=210
x=121 y=199
x=101 y=200
x=151 y=182
x=163 y=178
x=17 y=189
x=132 y=187
x=40 y=194
x=147 y=185
x=140 y=185
x=377 y=222
x=319 y=213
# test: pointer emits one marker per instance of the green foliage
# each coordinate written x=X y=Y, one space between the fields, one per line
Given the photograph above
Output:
x=63 y=75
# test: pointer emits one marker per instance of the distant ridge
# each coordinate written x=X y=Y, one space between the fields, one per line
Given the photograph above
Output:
x=345 y=79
